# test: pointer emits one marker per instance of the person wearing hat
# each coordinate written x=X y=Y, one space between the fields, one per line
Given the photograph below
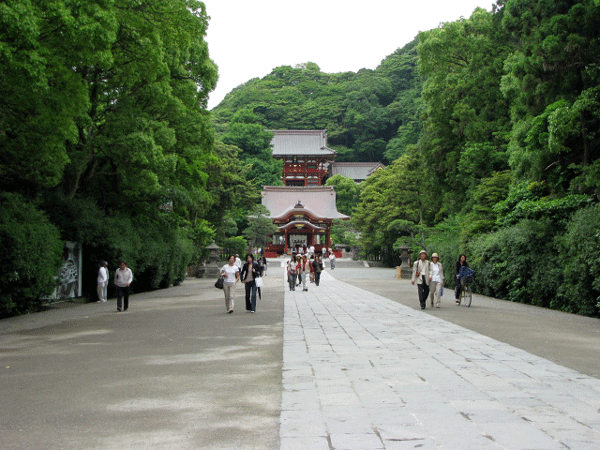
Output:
x=436 y=280
x=420 y=275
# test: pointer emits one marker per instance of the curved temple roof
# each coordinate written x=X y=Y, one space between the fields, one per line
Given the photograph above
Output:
x=319 y=201
x=300 y=143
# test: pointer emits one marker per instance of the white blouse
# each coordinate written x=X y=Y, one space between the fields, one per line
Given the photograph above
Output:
x=435 y=272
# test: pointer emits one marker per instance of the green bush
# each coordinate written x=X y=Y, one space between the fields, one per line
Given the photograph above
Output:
x=235 y=246
x=518 y=263
x=32 y=251
x=580 y=259
x=163 y=257
x=156 y=249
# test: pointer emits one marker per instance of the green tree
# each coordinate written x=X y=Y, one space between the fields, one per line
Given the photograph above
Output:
x=260 y=226
x=104 y=112
x=347 y=193
x=467 y=117
x=44 y=101
x=397 y=205
x=32 y=251
x=230 y=190
x=254 y=143
x=580 y=253
x=552 y=80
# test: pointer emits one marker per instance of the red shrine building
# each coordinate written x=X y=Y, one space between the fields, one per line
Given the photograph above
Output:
x=303 y=216
x=304 y=208
x=306 y=157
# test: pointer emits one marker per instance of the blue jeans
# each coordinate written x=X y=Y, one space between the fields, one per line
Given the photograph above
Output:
x=250 y=295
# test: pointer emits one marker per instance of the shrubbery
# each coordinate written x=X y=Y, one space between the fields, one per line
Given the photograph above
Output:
x=518 y=263
x=580 y=259
x=157 y=250
x=31 y=257
x=235 y=246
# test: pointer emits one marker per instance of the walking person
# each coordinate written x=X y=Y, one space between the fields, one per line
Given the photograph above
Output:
x=303 y=270
x=238 y=262
x=102 y=281
x=332 y=260
x=462 y=262
x=123 y=279
x=264 y=266
x=436 y=280
x=231 y=275
x=420 y=275
x=292 y=271
x=250 y=272
x=318 y=268
x=311 y=266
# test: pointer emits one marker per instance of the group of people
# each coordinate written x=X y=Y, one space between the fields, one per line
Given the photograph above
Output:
x=123 y=279
x=299 y=251
x=429 y=278
x=249 y=273
x=299 y=268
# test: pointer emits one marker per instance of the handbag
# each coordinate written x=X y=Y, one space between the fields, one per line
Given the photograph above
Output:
x=219 y=283
x=259 y=282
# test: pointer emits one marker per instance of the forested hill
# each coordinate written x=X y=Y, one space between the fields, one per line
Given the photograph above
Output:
x=371 y=115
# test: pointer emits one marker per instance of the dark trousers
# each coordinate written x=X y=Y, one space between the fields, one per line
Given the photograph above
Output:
x=460 y=282
x=122 y=297
x=250 y=295
x=317 y=278
x=423 y=291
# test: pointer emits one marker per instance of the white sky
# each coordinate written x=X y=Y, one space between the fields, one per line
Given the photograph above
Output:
x=249 y=38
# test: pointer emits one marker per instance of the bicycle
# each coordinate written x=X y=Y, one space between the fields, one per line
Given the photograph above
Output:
x=466 y=294
x=465 y=278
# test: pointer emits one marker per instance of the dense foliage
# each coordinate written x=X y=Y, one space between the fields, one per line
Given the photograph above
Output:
x=490 y=127
x=31 y=254
x=104 y=128
x=369 y=116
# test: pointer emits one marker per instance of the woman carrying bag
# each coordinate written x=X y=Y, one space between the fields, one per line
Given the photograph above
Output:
x=250 y=272
x=231 y=275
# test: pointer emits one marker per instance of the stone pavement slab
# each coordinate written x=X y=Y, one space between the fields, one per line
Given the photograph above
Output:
x=363 y=372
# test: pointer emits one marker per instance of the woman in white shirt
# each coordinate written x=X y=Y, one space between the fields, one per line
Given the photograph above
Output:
x=231 y=275
x=436 y=280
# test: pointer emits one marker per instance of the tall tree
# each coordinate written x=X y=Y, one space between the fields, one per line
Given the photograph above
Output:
x=347 y=193
x=553 y=81
x=245 y=132
x=400 y=201
x=466 y=120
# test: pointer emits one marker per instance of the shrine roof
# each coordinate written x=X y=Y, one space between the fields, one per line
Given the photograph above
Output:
x=300 y=142
x=358 y=171
x=319 y=201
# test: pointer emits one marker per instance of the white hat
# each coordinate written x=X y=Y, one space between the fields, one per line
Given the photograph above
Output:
x=435 y=255
x=422 y=251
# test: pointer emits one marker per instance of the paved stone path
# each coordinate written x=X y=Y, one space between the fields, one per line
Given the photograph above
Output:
x=362 y=372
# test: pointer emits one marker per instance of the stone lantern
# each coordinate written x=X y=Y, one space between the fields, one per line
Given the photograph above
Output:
x=213 y=269
x=404 y=271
